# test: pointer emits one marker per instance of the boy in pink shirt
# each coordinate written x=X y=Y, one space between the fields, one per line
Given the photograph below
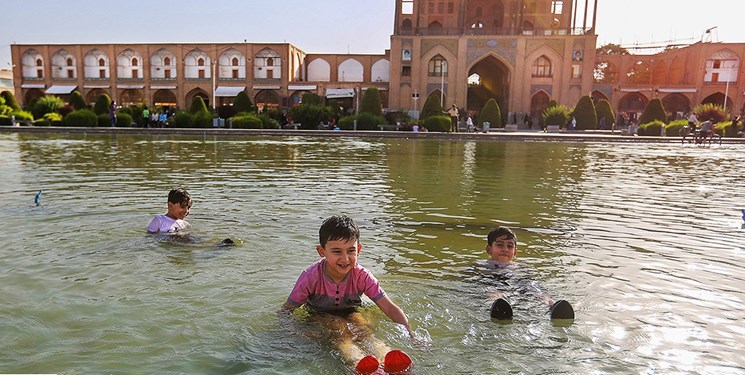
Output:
x=331 y=290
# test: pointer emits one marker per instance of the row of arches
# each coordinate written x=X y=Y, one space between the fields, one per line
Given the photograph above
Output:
x=163 y=64
x=722 y=66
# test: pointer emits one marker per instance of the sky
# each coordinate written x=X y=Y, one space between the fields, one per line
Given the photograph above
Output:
x=323 y=26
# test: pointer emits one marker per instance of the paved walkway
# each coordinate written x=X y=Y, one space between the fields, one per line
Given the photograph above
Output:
x=598 y=136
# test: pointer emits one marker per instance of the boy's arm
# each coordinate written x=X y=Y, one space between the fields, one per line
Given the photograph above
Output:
x=393 y=312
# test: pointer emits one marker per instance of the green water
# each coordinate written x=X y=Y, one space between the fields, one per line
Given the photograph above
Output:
x=645 y=240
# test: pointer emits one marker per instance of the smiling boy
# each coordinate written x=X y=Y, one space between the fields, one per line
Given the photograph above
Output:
x=331 y=290
x=179 y=204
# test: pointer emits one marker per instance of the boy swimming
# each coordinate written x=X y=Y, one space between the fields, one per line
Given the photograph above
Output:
x=179 y=204
x=331 y=291
x=501 y=245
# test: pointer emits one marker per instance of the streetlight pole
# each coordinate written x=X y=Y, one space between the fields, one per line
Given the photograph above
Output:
x=443 y=66
x=726 y=89
x=214 y=98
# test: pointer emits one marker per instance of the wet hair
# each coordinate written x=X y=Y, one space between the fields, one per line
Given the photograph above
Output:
x=179 y=196
x=500 y=232
x=338 y=227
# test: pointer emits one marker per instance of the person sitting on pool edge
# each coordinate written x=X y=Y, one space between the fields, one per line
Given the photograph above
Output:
x=331 y=290
x=179 y=204
x=501 y=245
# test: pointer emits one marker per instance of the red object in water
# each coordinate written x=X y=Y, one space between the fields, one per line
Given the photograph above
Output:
x=396 y=361
x=367 y=365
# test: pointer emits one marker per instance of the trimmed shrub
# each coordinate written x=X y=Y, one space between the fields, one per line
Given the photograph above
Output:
x=654 y=111
x=197 y=105
x=369 y=121
x=7 y=119
x=371 y=102
x=708 y=111
x=242 y=103
x=310 y=98
x=55 y=119
x=556 y=115
x=437 y=123
x=76 y=101
x=725 y=129
x=267 y=122
x=182 y=119
x=42 y=122
x=82 y=117
x=247 y=120
x=491 y=113
x=604 y=110
x=102 y=105
x=585 y=114
x=10 y=100
x=651 y=129
x=47 y=104
x=123 y=119
x=432 y=107
x=103 y=120
x=346 y=122
x=674 y=127
x=309 y=115
x=552 y=103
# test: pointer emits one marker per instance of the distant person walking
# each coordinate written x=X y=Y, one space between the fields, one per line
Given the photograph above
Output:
x=112 y=114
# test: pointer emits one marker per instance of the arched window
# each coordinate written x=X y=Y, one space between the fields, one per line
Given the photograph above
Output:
x=38 y=62
x=234 y=62
x=438 y=66
x=167 y=61
x=69 y=61
x=135 y=62
x=101 y=62
x=200 y=62
x=542 y=67
x=270 y=62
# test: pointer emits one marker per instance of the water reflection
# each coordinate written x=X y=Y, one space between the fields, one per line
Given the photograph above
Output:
x=645 y=240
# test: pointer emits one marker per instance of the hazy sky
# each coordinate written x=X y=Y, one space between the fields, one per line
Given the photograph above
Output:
x=334 y=26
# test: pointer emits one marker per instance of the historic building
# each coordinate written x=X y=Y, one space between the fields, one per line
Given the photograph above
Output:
x=681 y=77
x=523 y=53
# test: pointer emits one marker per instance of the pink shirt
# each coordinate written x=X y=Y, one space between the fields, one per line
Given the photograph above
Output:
x=315 y=289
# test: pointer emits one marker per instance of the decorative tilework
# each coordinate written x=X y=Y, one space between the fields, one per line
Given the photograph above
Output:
x=431 y=87
x=535 y=88
x=449 y=44
x=506 y=48
x=534 y=44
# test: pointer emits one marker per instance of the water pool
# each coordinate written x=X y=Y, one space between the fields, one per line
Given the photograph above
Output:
x=646 y=240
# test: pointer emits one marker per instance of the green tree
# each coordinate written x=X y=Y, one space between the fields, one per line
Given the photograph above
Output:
x=584 y=113
x=47 y=104
x=77 y=101
x=432 y=107
x=102 y=105
x=556 y=115
x=311 y=99
x=10 y=100
x=243 y=103
x=371 y=102
x=653 y=111
x=491 y=113
x=197 y=105
x=707 y=111
x=604 y=110
x=82 y=117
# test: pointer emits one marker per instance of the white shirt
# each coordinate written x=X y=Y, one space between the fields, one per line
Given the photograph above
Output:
x=164 y=223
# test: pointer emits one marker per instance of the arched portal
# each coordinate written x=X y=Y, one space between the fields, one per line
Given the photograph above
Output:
x=200 y=93
x=92 y=96
x=31 y=96
x=130 y=97
x=267 y=98
x=164 y=98
x=538 y=104
x=717 y=99
x=632 y=104
x=488 y=78
x=676 y=105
